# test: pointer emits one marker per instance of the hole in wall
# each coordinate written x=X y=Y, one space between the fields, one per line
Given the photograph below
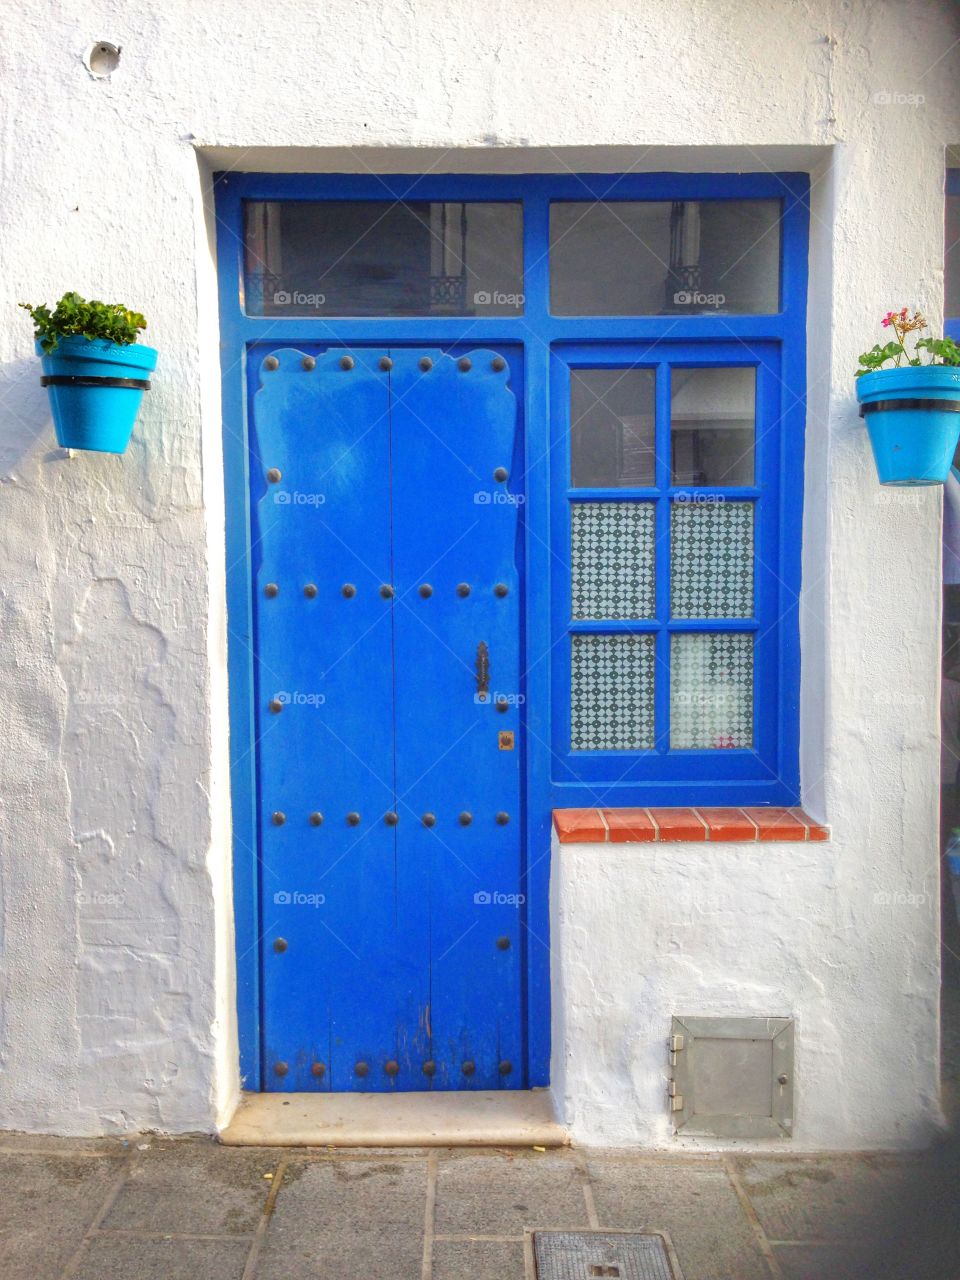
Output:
x=102 y=59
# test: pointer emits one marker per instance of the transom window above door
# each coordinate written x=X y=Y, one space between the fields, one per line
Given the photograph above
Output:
x=367 y=258
x=652 y=257
x=466 y=258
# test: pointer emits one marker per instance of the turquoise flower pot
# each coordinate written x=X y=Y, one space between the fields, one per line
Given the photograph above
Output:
x=95 y=388
x=913 y=417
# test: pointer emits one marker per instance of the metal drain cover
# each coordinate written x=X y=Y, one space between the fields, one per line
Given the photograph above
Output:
x=603 y=1255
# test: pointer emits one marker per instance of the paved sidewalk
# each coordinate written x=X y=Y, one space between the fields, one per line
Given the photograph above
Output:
x=190 y=1209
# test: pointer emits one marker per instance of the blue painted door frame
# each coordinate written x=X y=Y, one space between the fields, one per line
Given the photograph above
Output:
x=542 y=340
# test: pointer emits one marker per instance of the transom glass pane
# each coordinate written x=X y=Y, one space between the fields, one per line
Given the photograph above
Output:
x=376 y=258
x=712 y=425
x=711 y=559
x=612 y=428
x=611 y=692
x=674 y=257
x=951 y=277
x=711 y=690
x=612 y=551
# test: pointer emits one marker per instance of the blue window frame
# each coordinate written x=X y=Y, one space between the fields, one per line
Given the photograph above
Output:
x=951 y=272
x=662 y=772
x=772 y=343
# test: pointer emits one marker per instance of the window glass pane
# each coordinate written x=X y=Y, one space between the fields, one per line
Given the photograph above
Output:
x=711 y=559
x=363 y=258
x=712 y=425
x=711 y=690
x=673 y=257
x=612 y=428
x=951 y=300
x=612 y=560
x=611 y=693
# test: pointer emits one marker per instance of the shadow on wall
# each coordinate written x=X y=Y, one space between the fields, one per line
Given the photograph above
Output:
x=26 y=427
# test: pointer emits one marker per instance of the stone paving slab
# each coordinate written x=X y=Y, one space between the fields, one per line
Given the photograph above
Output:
x=196 y=1188
x=502 y=1193
x=817 y=1262
x=694 y=1203
x=48 y=1145
x=346 y=1217
x=835 y=1198
x=46 y=1204
x=130 y=1258
x=472 y=1259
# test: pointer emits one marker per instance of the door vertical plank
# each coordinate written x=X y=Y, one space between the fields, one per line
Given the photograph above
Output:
x=454 y=420
x=324 y=656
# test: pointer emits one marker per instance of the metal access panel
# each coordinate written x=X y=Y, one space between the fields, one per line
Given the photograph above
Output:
x=732 y=1077
x=385 y=534
x=593 y=1255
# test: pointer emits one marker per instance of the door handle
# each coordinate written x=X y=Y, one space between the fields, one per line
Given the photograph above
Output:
x=483 y=671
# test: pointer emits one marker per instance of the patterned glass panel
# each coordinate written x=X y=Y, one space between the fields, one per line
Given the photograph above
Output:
x=711 y=690
x=611 y=692
x=711 y=559
x=612 y=560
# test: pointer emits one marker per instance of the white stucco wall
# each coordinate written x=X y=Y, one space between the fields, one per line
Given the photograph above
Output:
x=643 y=932
x=116 y=1004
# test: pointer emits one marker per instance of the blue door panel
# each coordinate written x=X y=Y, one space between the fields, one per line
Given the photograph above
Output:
x=391 y=949
x=453 y=424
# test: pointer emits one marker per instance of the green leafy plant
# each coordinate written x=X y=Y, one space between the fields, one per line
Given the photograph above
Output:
x=939 y=350
x=73 y=316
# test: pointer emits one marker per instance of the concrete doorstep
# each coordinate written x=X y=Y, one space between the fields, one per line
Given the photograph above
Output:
x=491 y=1118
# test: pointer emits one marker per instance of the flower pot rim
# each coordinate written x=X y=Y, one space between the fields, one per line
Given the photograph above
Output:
x=77 y=346
x=940 y=379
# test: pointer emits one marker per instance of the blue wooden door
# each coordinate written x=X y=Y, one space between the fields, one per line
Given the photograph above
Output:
x=387 y=643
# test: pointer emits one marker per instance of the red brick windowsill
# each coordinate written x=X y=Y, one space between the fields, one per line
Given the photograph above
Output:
x=622 y=826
